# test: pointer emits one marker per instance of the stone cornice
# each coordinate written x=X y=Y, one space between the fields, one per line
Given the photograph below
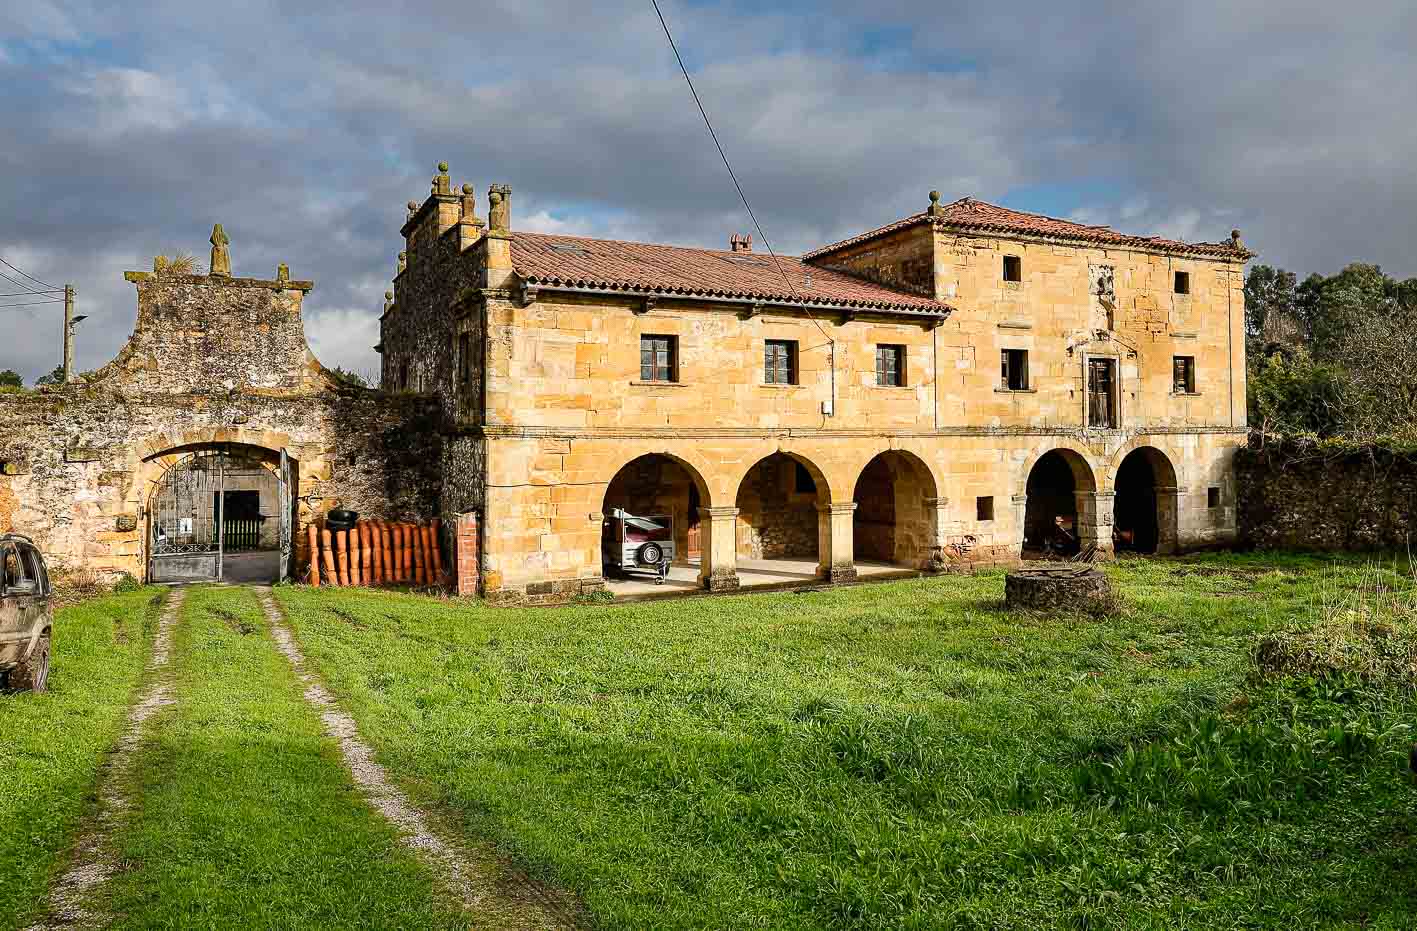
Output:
x=219 y=281
x=528 y=431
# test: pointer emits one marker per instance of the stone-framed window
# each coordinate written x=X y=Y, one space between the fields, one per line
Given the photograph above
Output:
x=465 y=358
x=1183 y=283
x=1212 y=497
x=1183 y=374
x=780 y=362
x=1013 y=268
x=984 y=507
x=890 y=365
x=1013 y=369
x=659 y=358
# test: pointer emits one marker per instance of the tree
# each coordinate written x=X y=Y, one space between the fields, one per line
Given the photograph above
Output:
x=346 y=377
x=9 y=378
x=56 y=377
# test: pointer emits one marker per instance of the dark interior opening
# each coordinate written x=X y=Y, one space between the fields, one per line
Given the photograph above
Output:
x=1134 y=523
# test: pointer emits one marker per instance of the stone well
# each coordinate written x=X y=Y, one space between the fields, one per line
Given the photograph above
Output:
x=1063 y=587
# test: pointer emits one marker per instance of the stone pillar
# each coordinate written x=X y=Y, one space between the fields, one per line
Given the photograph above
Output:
x=468 y=554
x=719 y=546
x=1168 y=513
x=1094 y=520
x=837 y=559
x=937 y=513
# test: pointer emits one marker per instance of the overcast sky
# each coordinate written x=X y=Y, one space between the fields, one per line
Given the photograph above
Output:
x=129 y=129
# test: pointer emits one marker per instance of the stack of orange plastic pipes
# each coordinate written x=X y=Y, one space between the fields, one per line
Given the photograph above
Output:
x=376 y=552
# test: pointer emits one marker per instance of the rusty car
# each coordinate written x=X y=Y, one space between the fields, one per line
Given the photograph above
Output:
x=26 y=615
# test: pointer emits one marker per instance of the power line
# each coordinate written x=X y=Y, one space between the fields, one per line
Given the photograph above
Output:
x=30 y=293
x=28 y=288
x=33 y=303
x=744 y=197
x=27 y=274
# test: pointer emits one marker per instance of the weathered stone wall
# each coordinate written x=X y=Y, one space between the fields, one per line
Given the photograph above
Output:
x=1299 y=497
x=212 y=361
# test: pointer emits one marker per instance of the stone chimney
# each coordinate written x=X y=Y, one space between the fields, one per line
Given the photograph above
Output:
x=740 y=243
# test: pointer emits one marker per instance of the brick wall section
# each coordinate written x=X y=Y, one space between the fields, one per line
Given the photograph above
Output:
x=468 y=555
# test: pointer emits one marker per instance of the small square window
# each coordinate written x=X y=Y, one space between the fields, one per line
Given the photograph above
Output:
x=984 y=507
x=1013 y=369
x=780 y=362
x=1183 y=282
x=1013 y=268
x=890 y=366
x=659 y=358
x=1212 y=497
x=1183 y=374
x=465 y=357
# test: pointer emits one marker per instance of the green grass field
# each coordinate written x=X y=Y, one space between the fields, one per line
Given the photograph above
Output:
x=51 y=745
x=905 y=755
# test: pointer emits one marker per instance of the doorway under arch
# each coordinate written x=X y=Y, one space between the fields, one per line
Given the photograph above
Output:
x=1144 y=508
x=222 y=512
x=892 y=522
x=1050 y=523
x=777 y=510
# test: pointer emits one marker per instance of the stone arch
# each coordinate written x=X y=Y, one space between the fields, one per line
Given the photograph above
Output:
x=779 y=498
x=896 y=517
x=1060 y=489
x=1146 y=500
x=657 y=483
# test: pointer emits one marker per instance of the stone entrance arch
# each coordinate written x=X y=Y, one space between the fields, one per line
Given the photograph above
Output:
x=1146 y=503
x=1061 y=500
x=220 y=512
x=896 y=511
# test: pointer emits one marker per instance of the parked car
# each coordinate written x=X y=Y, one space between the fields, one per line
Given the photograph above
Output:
x=26 y=615
x=642 y=543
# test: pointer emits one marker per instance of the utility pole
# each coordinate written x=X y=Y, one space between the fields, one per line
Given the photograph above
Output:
x=68 y=332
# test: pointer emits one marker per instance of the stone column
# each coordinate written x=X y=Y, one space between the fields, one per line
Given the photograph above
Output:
x=719 y=548
x=1168 y=512
x=1094 y=520
x=835 y=546
x=937 y=513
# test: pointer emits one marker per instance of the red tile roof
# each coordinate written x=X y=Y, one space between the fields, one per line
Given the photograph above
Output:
x=648 y=268
x=968 y=214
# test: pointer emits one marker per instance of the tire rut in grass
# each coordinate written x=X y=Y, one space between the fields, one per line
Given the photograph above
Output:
x=488 y=890
x=94 y=861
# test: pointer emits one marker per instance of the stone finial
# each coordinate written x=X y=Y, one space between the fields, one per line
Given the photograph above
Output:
x=403 y=262
x=1235 y=239
x=499 y=208
x=936 y=209
x=282 y=272
x=412 y=208
x=469 y=206
x=441 y=183
x=221 y=257
x=388 y=300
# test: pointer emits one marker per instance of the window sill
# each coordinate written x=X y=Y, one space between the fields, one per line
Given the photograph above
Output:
x=1185 y=394
x=778 y=385
x=1015 y=390
x=658 y=384
x=891 y=387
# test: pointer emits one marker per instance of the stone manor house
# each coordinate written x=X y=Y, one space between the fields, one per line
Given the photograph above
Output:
x=967 y=385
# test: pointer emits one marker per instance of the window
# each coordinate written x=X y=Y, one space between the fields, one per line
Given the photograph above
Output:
x=403 y=376
x=1212 y=497
x=465 y=357
x=803 y=483
x=1183 y=374
x=659 y=358
x=780 y=362
x=13 y=573
x=1101 y=400
x=984 y=507
x=1013 y=369
x=1013 y=268
x=1183 y=282
x=890 y=366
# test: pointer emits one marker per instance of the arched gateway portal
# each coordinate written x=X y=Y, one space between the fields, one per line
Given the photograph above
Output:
x=221 y=513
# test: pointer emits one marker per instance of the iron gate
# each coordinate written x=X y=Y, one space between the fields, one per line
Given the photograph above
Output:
x=191 y=532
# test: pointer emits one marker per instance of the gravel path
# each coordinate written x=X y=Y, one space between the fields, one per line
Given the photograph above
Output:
x=94 y=861
x=487 y=889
